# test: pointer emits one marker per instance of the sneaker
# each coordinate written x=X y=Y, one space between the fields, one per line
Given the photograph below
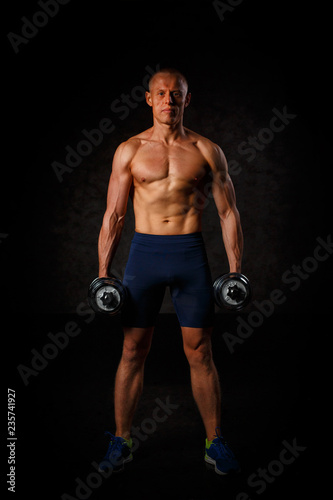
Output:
x=219 y=454
x=118 y=453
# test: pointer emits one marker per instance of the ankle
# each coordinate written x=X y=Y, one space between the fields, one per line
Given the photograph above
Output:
x=125 y=435
x=211 y=436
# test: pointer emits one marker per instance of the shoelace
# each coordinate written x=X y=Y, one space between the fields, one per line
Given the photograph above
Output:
x=222 y=444
x=115 y=443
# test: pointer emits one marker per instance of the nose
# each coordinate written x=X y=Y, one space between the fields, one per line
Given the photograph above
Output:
x=169 y=98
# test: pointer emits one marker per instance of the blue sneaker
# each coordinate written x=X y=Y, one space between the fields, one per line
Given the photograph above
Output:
x=118 y=453
x=219 y=454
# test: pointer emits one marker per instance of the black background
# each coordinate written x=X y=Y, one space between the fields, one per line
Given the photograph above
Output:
x=263 y=55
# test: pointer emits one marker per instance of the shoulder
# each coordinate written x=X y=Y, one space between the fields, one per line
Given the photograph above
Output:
x=211 y=151
x=127 y=149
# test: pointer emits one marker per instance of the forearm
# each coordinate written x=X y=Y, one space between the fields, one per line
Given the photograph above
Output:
x=108 y=241
x=233 y=239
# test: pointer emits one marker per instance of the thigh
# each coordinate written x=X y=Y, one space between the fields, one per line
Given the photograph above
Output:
x=142 y=306
x=145 y=289
x=138 y=340
x=192 y=292
x=195 y=338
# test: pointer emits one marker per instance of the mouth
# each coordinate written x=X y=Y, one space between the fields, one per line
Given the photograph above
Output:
x=167 y=110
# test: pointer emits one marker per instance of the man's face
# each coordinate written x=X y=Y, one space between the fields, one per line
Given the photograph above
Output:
x=168 y=97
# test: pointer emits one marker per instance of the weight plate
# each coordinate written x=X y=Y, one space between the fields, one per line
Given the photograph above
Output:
x=232 y=291
x=108 y=299
x=107 y=295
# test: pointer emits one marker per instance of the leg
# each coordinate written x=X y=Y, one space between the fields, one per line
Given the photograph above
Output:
x=129 y=377
x=204 y=377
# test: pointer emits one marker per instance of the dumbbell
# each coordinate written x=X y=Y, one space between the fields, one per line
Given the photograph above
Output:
x=107 y=295
x=232 y=291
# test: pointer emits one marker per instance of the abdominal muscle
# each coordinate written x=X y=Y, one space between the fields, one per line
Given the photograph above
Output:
x=159 y=214
x=177 y=224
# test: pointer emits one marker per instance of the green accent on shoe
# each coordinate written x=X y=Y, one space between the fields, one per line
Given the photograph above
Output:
x=129 y=442
x=118 y=453
x=208 y=443
x=219 y=454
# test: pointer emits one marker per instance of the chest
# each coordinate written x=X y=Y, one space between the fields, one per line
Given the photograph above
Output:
x=155 y=162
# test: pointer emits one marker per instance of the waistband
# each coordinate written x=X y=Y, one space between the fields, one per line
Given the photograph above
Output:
x=168 y=239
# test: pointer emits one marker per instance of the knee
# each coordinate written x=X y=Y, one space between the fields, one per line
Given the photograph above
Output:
x=200 y=356
x=134 y=353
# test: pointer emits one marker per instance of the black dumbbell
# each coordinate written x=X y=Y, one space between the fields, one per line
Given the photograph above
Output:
x=107 y=295
x=232 y=291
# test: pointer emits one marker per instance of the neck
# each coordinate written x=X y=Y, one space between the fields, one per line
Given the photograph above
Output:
x=168 y=133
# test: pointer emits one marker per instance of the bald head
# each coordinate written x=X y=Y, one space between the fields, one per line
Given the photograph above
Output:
x=168 y=71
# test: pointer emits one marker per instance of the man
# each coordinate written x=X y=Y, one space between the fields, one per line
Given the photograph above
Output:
x=165 y=170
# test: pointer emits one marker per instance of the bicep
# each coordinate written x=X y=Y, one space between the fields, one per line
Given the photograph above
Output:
x=222 y=188
x=119 y=184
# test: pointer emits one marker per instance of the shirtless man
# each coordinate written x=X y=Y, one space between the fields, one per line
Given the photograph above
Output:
x=165 y=170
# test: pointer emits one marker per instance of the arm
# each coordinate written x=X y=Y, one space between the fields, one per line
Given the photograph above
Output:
x=114 y=217
x=225 y=201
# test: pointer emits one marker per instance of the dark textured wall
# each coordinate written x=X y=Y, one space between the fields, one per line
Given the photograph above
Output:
x=242 y=70
x=259 y=56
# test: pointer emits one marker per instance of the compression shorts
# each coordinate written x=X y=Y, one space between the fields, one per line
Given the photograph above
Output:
x=176 y=261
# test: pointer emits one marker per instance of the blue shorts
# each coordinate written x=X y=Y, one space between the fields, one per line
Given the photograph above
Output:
x=177 y=261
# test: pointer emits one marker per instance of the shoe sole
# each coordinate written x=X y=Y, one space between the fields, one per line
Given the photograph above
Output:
x=126 y=460
x=213 y=462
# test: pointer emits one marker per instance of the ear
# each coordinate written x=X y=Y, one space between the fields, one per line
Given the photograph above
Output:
x=187 y=99
x=148 y=99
